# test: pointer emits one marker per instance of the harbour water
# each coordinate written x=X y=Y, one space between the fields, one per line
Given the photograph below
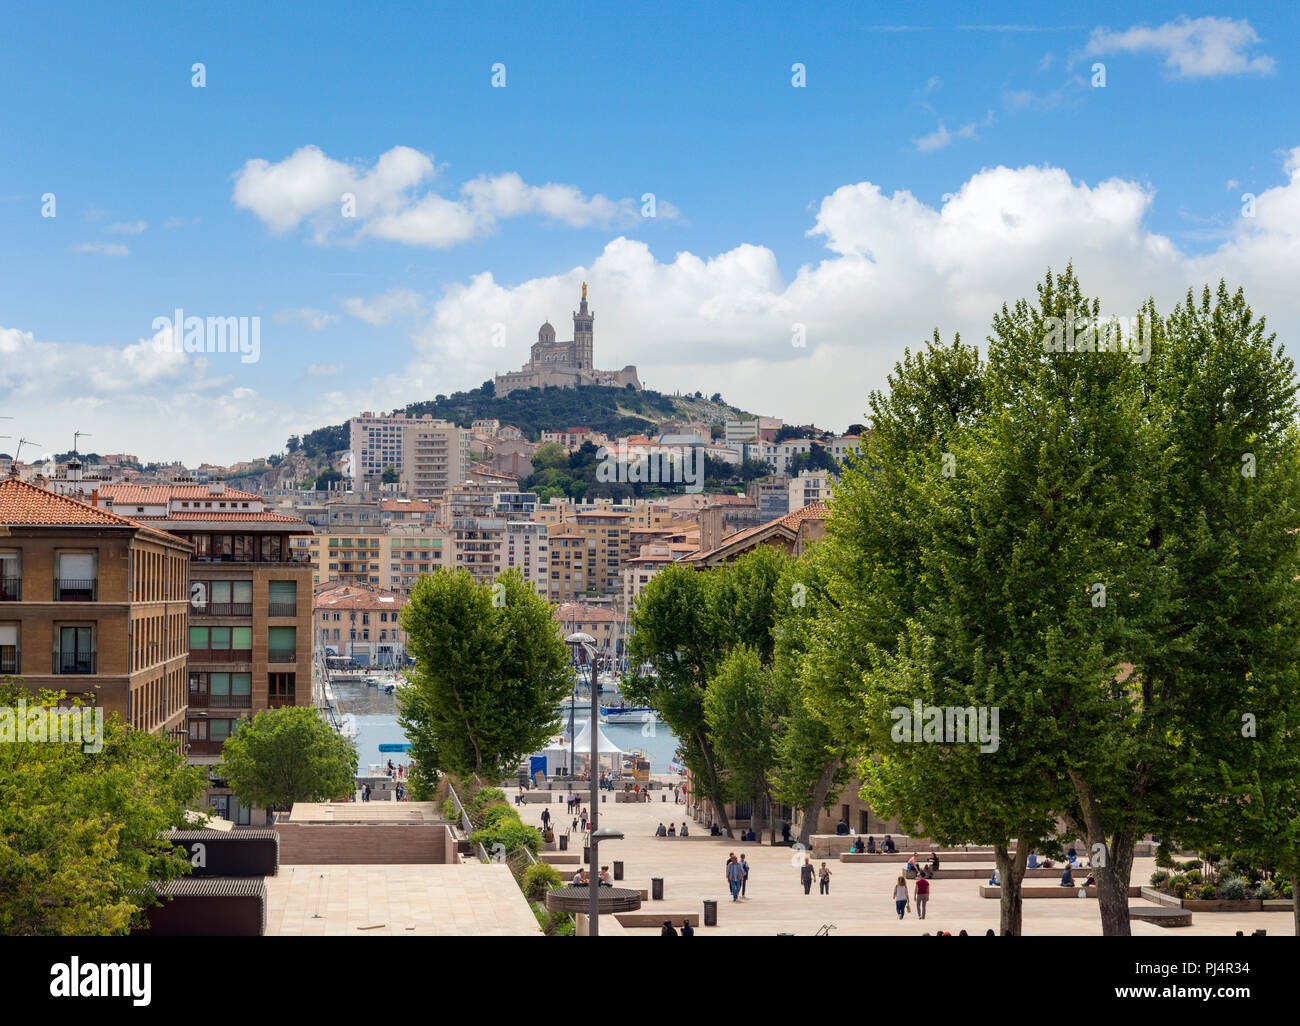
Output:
x=374 y=714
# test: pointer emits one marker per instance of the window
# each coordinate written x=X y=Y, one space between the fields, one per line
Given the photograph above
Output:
x=76 y=577
x=282 y=598
x=11 y=575
x=282 y=644
x=76 y=650
x=8 y=648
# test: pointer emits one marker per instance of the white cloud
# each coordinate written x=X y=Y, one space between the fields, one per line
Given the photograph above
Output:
x=316 y=320
x=323 y=370
x=932 y=83
x=128 y=228
x=389 y=204
x=1191 y=47
x=893 y=269
x=102 y=248
x=382 y=309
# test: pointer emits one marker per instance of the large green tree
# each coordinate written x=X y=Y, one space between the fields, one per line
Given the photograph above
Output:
x=82 y=833
x=740 y=713
x=288 y=755
x=490 y=670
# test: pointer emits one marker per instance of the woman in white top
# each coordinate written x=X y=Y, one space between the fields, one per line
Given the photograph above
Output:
x=900 y=896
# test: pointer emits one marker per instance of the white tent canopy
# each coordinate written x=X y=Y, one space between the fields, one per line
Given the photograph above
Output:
x=604 y=746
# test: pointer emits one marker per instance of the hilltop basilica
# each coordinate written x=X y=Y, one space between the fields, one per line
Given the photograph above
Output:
x=566 y=364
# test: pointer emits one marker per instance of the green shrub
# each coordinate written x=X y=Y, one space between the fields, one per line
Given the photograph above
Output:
x=1191 y=864
x=1283 y=888
x=1265 y=891
x=495 y=814
x=1240 y=865
x=482 y=798
x=1207 y=892
x=538 y=880
x=1235 y=888
x=1159 y=878
x=1194 y=876
x=1164 y=857
x=510 y=835
x=449 y=810
x=1179 y=887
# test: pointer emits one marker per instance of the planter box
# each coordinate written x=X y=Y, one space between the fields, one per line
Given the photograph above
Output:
x=1217 y=904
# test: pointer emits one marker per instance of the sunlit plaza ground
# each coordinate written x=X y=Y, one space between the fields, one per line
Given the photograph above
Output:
x=861 y=895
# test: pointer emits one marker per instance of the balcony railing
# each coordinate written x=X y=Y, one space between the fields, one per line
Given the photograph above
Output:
x=280 y=701
x=11 y=589
x=229 y=609
x=221 y=655
x=70 y=590
x=281 y=655
x=9 y=664
x=282 y=609
x=206 y=700
x=205 y=747
x=74 y=662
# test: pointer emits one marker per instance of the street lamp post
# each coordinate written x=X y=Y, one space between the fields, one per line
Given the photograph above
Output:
x=588 y=644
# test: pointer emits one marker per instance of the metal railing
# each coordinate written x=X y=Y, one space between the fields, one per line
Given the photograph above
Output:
x=9 y=664
x=282 y=609
x=74 y=590
x=11 y=589
x=281 y=655
x=74 y=662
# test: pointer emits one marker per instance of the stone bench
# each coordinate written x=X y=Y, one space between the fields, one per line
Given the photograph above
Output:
x=560 y=858
x=922 y=857
x=656 y=918
x=1052 y=892
x=1160 y=915
x=536 y=797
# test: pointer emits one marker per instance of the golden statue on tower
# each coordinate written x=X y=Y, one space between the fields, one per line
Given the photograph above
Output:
x=584 y=290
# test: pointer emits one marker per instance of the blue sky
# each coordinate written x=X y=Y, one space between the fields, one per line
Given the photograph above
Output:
x=867 y=206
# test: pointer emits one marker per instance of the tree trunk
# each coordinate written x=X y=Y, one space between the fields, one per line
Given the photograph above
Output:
x=1113 y=882
x=719 y=806
x=813 y=809
x=1011 y=873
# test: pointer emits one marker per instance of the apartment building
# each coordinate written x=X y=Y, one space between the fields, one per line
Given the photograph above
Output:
x=362 y=622
x=809 y=487
x=528 y=551
x=641 y=569
x=602 y=622
x=435 y=458
x=93 y=604
x=413 y=551
x=588 y=551
x=250 y=612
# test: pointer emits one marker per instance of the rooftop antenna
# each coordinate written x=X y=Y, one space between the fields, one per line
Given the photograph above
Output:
x=76 y=436
x=21 y=443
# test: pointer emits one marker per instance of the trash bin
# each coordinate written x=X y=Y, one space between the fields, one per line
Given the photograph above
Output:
x=656 y=888
x=564 y=842
x=618 y=871
x=602 y=797
x=710 y=913
x=663 y=797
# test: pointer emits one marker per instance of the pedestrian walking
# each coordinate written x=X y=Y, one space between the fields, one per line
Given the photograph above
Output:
x=584 y=820
x=806 y=875
x=824 y=880
x=900 y=897
x=922 y=895
x=735 y=876
x=743 y=865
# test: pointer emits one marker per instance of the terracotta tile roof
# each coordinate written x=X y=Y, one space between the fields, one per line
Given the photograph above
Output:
x=790 y=522
x=351 y=596
x=225 y=516
x=23 y=504
x=143 y=495
x=579 y=611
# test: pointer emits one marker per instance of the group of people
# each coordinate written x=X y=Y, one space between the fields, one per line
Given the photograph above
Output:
x=581 y=821
x=737 y=871
x=396 y=772
x=581 y=879
x=823 y=875
x=668 y=931
x=867 y=845
x=921 y=893
x=671 y=830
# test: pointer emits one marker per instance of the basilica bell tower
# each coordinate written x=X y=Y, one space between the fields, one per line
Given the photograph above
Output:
x=582 y=334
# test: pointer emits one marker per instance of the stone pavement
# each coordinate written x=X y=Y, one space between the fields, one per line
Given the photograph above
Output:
x=860 y=901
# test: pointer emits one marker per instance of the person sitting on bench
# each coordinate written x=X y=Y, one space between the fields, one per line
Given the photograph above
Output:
x=1067 y=878
x=887 y=846
x=911 y=866
x=714 y=831
x=995 y=880
x=580 y=878
x=672 y=830
x=871 y=845
x=1072 y=857
x=662 y=831
x=683 y=832
x=842 y=828
x=1091 y=881
x=934 y=863
x=1033 y=860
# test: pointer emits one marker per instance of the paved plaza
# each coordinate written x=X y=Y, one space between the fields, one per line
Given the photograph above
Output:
x=861 y=895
